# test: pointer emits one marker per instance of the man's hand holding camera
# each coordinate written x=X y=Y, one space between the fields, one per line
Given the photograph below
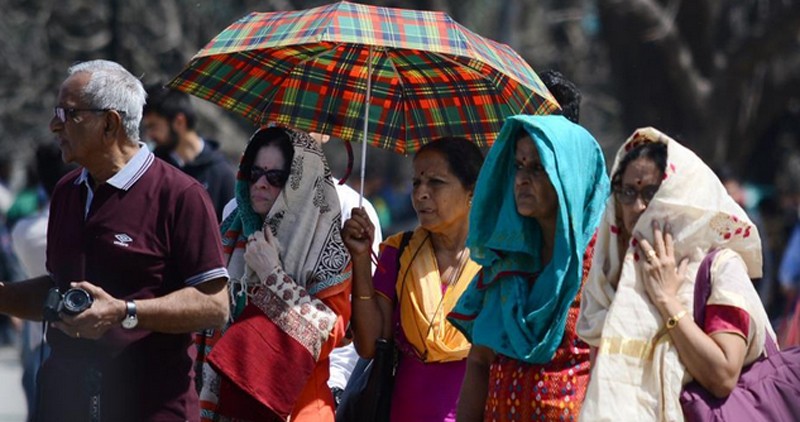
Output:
x=92 y=322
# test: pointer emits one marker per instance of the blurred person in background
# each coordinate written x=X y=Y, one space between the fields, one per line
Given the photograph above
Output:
x=767 y=287
x=170 y=121
x=789 y=270
x=789 y=277
x=29 y=239
x=29 y=199
x=6 y=195
x=10 y=268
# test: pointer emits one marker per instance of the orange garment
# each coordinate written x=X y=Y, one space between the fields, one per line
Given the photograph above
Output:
x=316 y=402
x=519 y=391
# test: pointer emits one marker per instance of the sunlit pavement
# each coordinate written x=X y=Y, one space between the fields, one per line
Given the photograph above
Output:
x=13 y=407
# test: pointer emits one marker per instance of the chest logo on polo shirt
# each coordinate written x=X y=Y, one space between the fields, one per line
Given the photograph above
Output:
x=122 y=239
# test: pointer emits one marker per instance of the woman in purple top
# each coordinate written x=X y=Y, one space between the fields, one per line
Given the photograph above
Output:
x=411 y=294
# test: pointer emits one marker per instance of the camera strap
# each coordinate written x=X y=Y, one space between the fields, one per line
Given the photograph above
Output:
x=35 y=416
x=94 y=382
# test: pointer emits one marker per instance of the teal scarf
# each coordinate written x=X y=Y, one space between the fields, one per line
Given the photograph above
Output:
x=242 y=220
x=502 y=308
x=235 y=229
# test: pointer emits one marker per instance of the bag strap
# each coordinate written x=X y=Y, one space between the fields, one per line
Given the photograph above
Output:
x=400 y=248
x=702 y=291
x=702 y=288
x=403 y=244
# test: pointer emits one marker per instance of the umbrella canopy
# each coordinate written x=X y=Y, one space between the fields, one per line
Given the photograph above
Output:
x=417 y=75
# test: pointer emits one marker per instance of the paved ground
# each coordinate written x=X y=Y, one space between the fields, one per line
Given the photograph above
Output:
x=13 y=407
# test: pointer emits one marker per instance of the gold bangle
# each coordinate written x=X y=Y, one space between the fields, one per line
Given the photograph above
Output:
x=673 y=320
x=364 y=297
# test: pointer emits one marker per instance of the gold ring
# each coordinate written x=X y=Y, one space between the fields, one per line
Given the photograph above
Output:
x=651 y=255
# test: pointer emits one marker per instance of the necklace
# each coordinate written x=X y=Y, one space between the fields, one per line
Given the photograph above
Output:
x=455 y=272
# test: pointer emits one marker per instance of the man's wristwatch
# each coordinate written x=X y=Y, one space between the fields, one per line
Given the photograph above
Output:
x=131 y=320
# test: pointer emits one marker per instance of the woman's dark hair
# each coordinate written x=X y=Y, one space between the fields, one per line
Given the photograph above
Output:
x=265 y=137
x=566 y=93
x=653 y=151
x=463 y=156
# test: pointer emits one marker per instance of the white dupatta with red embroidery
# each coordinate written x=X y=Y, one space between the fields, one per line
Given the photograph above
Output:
x=637 y=374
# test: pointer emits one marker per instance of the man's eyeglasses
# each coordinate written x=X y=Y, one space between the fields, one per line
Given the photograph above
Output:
x=63 y=113
x=275 y=177
x=627 y=196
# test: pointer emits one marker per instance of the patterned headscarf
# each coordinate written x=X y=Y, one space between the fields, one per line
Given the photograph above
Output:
x=287 y=307
x=305 y=218
x=637 y=375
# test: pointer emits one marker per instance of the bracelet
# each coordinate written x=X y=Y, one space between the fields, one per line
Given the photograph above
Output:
x=673 y=320
x=364 y=297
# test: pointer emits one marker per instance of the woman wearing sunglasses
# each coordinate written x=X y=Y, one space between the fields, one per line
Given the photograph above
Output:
x=668 y=211
x=290 y=287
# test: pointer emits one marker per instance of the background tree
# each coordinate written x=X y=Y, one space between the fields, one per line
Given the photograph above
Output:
x=722 y=76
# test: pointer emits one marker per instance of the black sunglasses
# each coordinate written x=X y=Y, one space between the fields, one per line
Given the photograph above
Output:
x=275 y=177
x=628 y=196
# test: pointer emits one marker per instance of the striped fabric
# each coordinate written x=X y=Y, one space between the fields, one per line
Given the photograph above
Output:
x=308 y=69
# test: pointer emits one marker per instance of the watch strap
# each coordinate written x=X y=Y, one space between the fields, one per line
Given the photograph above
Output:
x=673 y=320
x=130 y=309
x=131 y=319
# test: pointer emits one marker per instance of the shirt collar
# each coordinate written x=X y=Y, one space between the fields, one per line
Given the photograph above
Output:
x=129 y=174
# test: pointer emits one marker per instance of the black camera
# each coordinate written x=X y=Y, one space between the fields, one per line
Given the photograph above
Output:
x=72 y=302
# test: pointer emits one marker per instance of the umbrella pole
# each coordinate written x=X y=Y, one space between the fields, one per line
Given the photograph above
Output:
x=366 y=127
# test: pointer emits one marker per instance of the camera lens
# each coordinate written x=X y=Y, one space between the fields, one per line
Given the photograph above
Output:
x=76 y=301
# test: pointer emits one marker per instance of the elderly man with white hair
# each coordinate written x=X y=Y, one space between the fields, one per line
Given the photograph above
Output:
x=134 y=253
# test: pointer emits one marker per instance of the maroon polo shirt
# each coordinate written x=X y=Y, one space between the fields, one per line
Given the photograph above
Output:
x=147 y=232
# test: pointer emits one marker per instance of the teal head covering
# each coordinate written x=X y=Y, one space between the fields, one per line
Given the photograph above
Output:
x=503 y=309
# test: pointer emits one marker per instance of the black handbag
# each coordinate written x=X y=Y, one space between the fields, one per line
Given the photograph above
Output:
x=368 y=394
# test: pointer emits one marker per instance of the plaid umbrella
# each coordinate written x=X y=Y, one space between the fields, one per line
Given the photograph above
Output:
x=417 y=75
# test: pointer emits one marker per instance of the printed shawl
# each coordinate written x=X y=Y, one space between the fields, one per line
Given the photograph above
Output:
x=502 y=309
x=423 y=306
x=637 y=375
x=279 y=324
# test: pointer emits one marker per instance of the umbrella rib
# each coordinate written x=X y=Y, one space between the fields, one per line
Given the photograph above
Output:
x=446 y=58
x=402 y=93
x=320 y=54
x=286 y=76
